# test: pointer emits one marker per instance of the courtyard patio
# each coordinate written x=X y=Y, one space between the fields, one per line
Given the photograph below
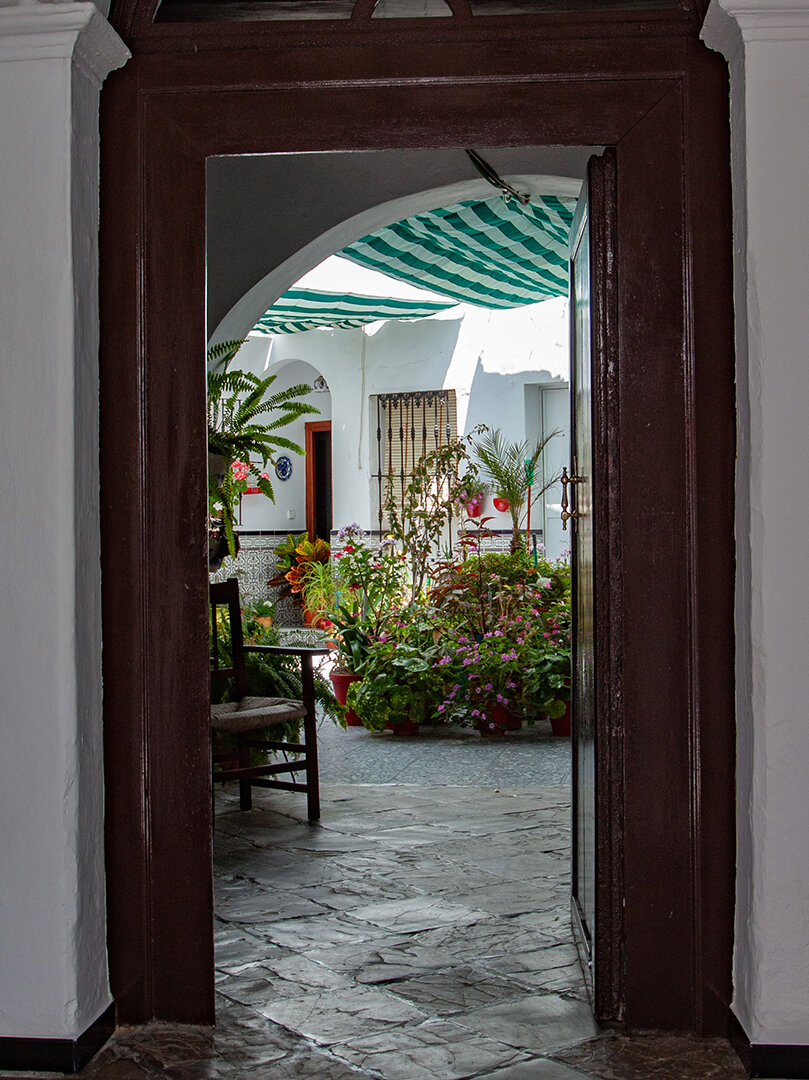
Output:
x=420 y=931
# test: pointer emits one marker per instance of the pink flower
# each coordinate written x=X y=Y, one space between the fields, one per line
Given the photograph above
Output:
x=265 y=476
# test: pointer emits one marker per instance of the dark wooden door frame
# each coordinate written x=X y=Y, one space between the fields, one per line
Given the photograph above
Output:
x=310 y=429
x=663 y=432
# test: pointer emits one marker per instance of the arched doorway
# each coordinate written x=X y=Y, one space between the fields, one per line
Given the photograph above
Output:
x=665 y=420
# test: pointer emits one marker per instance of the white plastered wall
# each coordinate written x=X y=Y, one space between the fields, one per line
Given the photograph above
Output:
x=767 y=45
x=488 y=357
x=53 y=970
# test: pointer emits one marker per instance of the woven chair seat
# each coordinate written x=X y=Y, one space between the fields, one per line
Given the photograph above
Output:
x=252 y=713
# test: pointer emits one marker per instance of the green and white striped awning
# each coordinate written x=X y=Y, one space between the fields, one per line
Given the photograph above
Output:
x=489 y=252
x=311 y=309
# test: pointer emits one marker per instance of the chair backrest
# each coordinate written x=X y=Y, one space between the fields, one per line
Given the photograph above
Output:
x=225 y=594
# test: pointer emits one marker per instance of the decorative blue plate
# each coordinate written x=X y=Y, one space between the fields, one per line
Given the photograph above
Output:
x=283 y=468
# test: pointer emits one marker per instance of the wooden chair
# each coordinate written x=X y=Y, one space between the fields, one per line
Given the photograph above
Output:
x=244 y=715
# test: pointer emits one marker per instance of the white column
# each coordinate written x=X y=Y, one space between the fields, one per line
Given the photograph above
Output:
x=767 y=45
x=53 y=971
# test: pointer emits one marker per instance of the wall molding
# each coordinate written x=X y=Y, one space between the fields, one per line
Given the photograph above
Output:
x=57 y=1055
x=769 y=1061
x=64 y=31
x=728 y=22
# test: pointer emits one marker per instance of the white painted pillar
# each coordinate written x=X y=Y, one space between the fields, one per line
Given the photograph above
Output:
x=767 y=45
x=53 y=970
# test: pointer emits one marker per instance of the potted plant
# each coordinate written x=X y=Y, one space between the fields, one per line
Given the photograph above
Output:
x=293 y=561
x=353 y=644
x=441 y=481
x=319 y=592
x=243 y=424
x=510 y=468
x=369 y=583
x=401 y=687
x=506 y=630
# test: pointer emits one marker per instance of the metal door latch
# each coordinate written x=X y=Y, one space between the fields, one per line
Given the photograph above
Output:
x=565 y=479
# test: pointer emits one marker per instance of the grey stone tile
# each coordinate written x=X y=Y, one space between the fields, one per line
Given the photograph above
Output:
x=552 y=958
x=303 y=934
x=490 y=938
x=457 y=990
x=515 y=897
x=235 y=951
x=323 y=870
x=243 y=903
x=298 y=972
x=337 y=1015
x=291 y=976
x=509 y=866
x=354 y=891
x=305 y=1064
x=383 y=960
x=536 y=1022
x=436 y=1050
x=416 y=913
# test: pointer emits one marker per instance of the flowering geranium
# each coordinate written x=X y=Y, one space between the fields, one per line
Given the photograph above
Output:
x=508 y=639
x=479 y=671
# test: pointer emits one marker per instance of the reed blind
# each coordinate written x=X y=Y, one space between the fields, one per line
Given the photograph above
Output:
x=409 y=425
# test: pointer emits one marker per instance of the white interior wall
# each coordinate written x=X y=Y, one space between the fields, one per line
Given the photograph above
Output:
x=767 y=45
x=52 y=899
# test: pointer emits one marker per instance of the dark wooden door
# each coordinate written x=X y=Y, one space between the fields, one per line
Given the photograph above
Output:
x=580 y=528
x=318 y=479
x=663 y=450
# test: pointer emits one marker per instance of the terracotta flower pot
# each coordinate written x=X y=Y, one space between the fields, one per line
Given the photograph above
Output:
x=561 y=725
x=474 y=507
x=404 y=727
x=341 y=680
x=498 y=721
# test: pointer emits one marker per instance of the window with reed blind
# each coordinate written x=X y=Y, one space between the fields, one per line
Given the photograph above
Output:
x=409 y=425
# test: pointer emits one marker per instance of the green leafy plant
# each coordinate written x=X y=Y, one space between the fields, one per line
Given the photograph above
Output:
x=244 y=420
x=294 y=559
x=439 y=484
x=353 y=637
x=370 y=576
x=319 y=591
x=401 y=681
x=511 y=470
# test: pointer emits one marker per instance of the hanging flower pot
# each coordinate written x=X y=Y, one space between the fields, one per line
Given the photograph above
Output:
x=501 y=505
x=474 y=507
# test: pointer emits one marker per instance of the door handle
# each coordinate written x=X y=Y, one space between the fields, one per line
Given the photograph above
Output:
x=565 y=479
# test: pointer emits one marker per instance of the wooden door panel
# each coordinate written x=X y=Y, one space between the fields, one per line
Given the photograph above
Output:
x=580 y=528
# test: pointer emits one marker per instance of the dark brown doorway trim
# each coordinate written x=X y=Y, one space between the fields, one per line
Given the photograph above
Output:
x=313 y=493
x=644 y=86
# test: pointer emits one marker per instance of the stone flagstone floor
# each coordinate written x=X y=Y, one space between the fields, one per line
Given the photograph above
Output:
x=416 y=933
x=420 y=931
